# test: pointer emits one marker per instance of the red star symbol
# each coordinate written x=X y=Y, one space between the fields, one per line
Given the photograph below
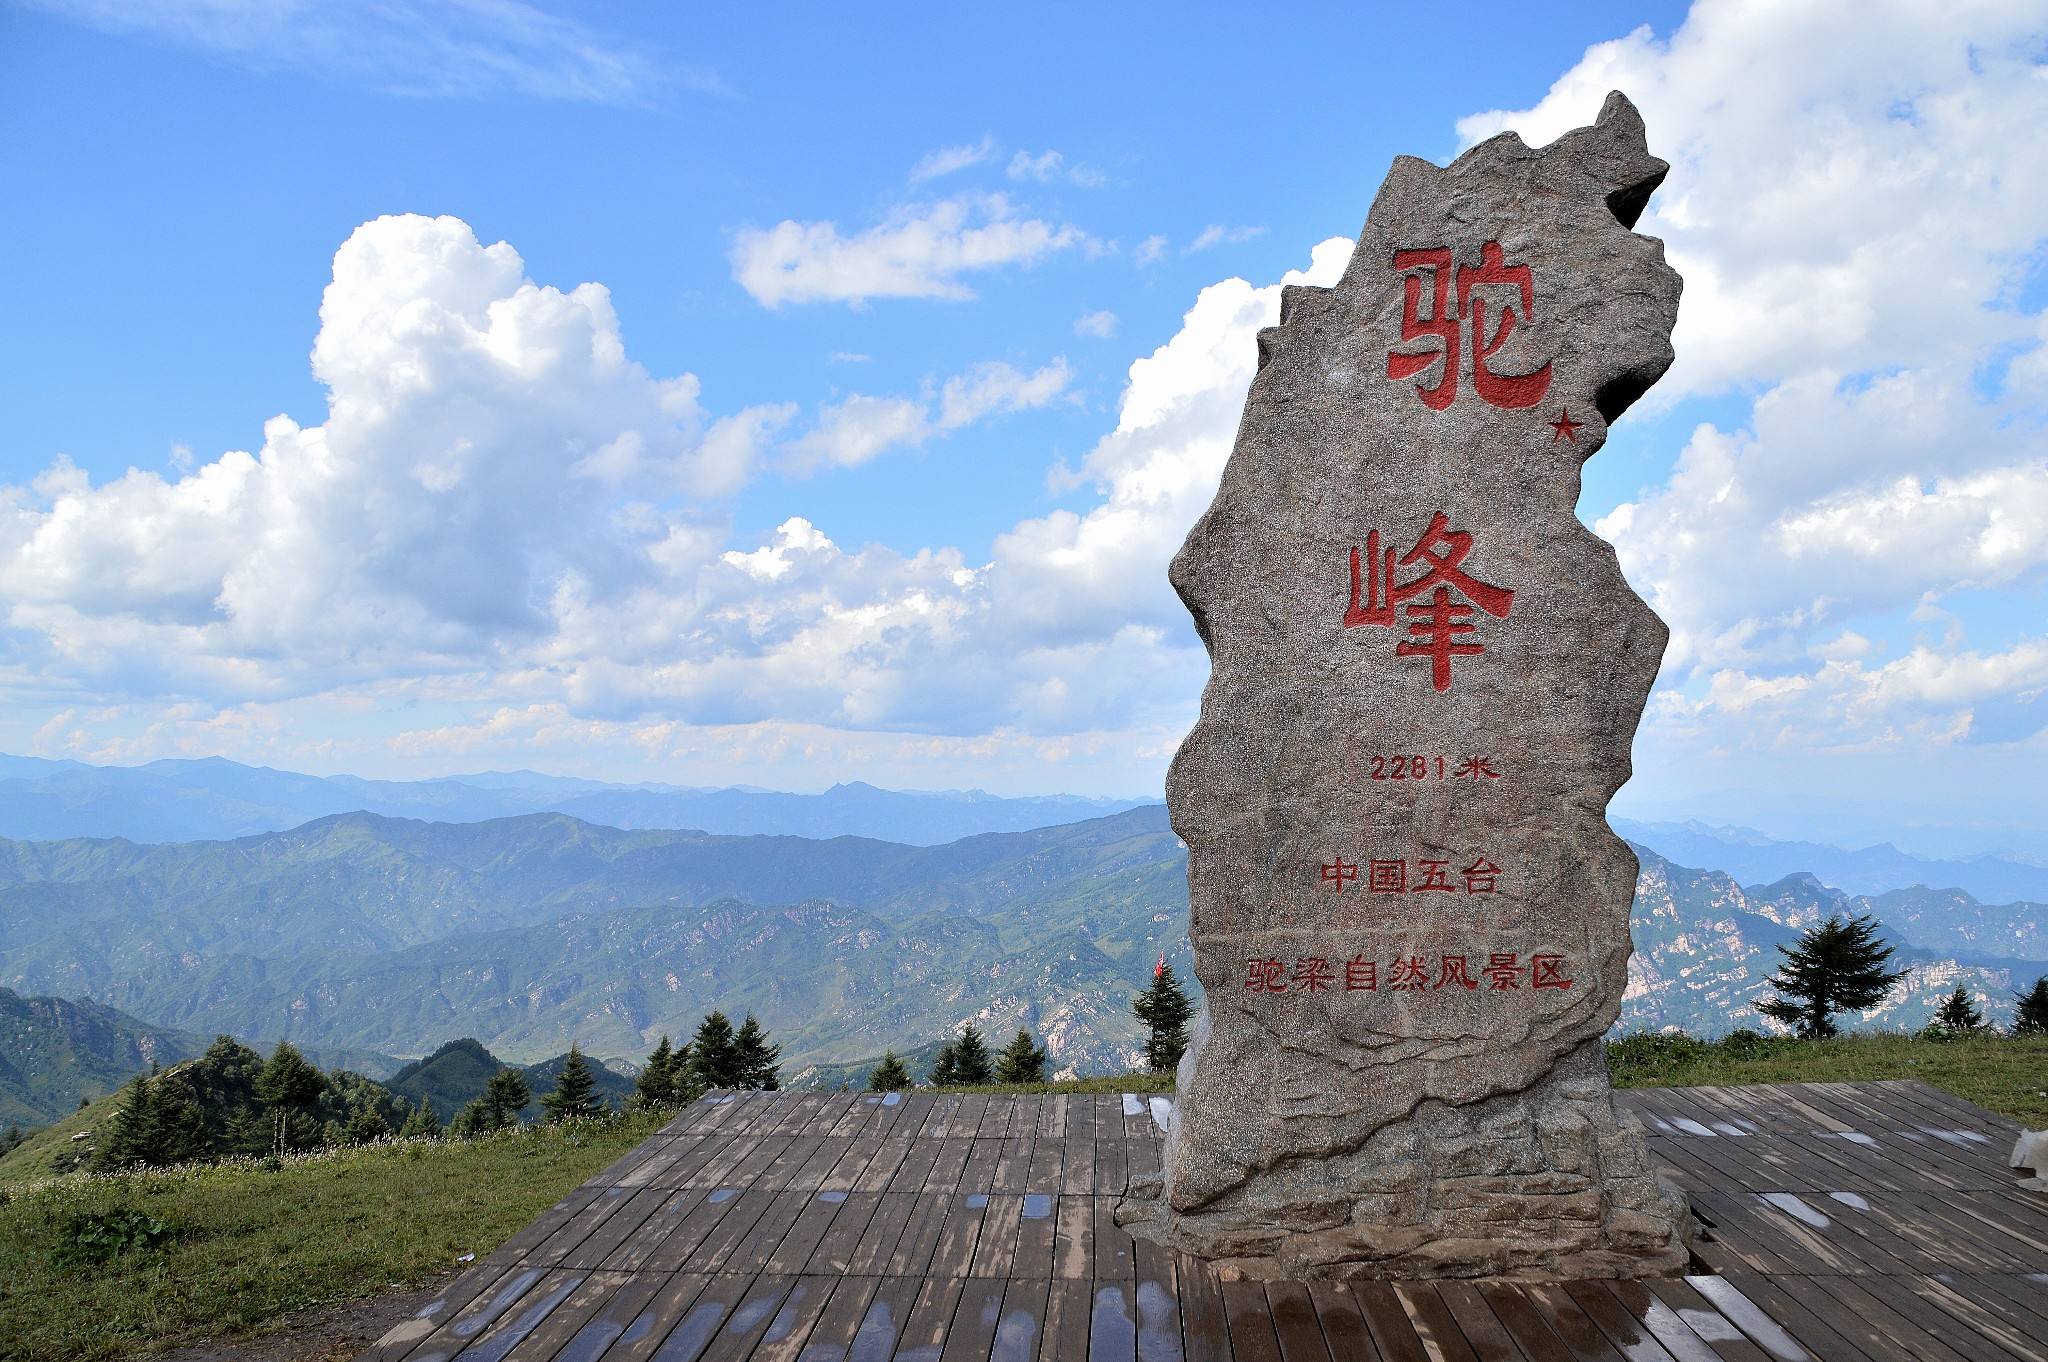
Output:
x=1566 y=428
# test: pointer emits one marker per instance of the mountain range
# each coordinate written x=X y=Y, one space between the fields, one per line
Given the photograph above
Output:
x=213 y=799
x=1754 y=858
x=394 y=936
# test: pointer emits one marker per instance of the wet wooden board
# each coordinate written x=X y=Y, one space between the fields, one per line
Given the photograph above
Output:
x=1841 y=1222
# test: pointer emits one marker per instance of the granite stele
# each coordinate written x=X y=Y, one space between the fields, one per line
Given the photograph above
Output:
x=1409 y=914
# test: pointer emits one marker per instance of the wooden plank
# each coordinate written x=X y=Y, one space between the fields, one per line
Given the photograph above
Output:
x=972 y=1334
x=1115 y=1256
x=1580 y=1333
x=1434 y=1323
x=608 y=1324
x=1526 y=1324
x=1295 y=1325
x=832 y=1331
x=912 y=1255
x=671 y=1301
x=1251 y=1323
x=1067 y=1309
x=819 y=1210
x=888 y=1310
x=954 y=1251
x=1344 y=1329
x=995 y=1251
x=834 y=1254
x=1698 y=1314
x=683 y=1336
x=789 y=1328
x=1484 y=1334
x=749 y=1323
x=619 y=1226
x=563 y=1322
x=1037 y=1214
x=1744 y=1312
x=877 y=1244
x=1158 y=1294
x=1903 y=1334
x=1647 y=1312
x=924 y=1332
x=457 y=1331
x=753 y=1253
x=1074 y=1240
x=1387 y=1319
x=1020 y=1335
x=1205 y=1328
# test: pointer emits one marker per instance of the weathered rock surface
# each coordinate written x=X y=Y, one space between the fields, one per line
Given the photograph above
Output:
x=1409 y=913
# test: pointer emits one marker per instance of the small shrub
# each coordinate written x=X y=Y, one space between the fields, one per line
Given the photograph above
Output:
x=1743 y=1043
x=87 y=1240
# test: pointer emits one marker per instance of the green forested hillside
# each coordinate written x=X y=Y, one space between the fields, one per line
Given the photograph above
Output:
x=53 y=1052
x=458 y=1072
x=530 y=933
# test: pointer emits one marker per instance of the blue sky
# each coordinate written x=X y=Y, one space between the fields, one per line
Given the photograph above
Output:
x=843 y=382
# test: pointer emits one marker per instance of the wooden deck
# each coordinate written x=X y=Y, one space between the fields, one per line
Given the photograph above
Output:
x=1868 y=1222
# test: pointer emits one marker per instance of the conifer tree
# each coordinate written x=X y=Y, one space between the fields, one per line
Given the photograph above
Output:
x=421 y=1123
x=366 y=1125
x=247 y=1132
x=656 y=1085
x=755 y=1059
x=714 y=1053
x=1837 y=966
x=13 y=1139
x=889 y=1075
x=1165 y=1010
x=131 y=1136
x=575 y=1096
x=946 y=1068
x=476 y=1118
x=971 y=1062
x=2031 y=1016
x=1959 y=1013
x=1022 y=1061
x=181 y=1132
x=505 y=1096
x=288 y=1081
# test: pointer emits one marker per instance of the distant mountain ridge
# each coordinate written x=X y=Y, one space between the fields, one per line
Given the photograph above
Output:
x=527 y=933
x=213 y=799
x=1754 y=858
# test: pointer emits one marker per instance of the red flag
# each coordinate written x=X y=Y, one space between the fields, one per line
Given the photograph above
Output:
x=1160 y=968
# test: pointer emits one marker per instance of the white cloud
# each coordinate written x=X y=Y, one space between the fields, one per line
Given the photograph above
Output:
x=858 y=428
x=1100 y=325
x=1216 y=234
x=1856 y=224
x=948 y=160
x=1151 y=250
x=408 y=47
x=916 y=253
x=1047 y=166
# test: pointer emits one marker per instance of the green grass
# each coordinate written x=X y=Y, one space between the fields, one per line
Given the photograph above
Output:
x=249 y=1245
x=2005 y=1074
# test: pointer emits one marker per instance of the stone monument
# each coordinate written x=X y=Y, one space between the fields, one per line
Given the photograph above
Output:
x=1409 y=914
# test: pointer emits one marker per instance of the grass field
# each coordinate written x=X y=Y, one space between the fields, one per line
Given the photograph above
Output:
x=244 y=1246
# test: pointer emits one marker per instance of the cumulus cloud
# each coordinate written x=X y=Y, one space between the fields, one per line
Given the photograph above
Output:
x=1858 y=283
x=408 y=47
x=918 y=252
x=486 y=439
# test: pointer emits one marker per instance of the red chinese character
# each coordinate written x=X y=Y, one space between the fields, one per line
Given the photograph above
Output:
x=1312 y=975
x=1501 y=390
x=1265 y=976
x=1480 y=875
x=1339 y=873
x=1373 y=578
x=1547 y=971
x=1409 y=974
x=1387 y=877
x=1473 y=769
x=1455 y=971
x=1441 y=324
x=1433 y=879
x=1361 y=975
x=1503 y=971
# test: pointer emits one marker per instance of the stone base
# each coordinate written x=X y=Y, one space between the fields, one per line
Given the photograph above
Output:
x=1552 y=1184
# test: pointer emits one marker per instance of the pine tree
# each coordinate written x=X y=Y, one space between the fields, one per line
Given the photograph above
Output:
x=1022 y=1062
x=1959 y=1013
x=2031 y=1017
x=421 y=1123
x=181 y=1132
x=575 y=1096
x=971 y=1063
x=367 y=1125
x=12 y=1140
x=288 y=1082
x=247 y=1132
x=714 y=1054
x=656 y=1085
x=1836 y=967
x=131 y=1137
x=1165 y=1010
x=889 y=1075
x=946 y=1068
x=755 y=1058
x=506 y=1095
x=476 y=1118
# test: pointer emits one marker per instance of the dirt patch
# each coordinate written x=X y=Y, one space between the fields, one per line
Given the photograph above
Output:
x=334 y=1333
